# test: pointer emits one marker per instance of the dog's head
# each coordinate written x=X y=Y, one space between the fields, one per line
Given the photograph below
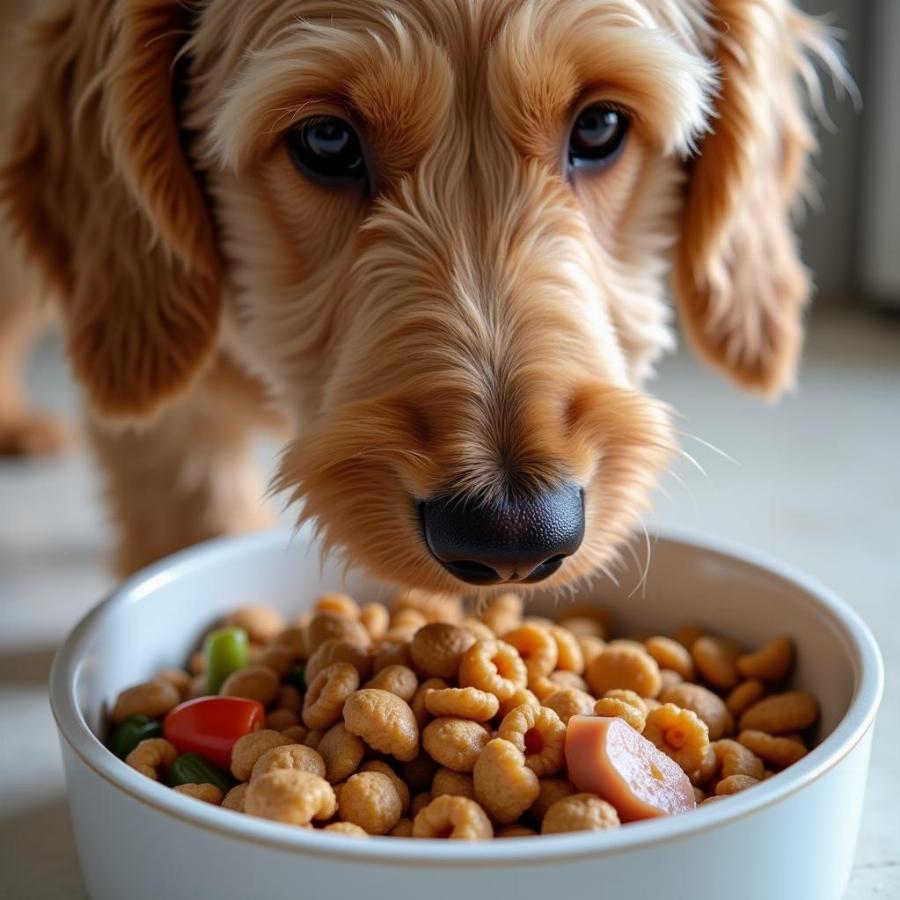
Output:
x=439 y=229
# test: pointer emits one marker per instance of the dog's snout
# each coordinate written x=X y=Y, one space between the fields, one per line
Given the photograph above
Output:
x=524 y=539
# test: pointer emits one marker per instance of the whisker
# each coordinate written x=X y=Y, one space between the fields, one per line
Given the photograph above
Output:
x=717 y=450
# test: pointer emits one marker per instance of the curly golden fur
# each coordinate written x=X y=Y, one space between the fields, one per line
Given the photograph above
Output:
x=480 y=320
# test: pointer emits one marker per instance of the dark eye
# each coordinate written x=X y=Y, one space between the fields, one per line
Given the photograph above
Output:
x=326 y=150
x=597 y=136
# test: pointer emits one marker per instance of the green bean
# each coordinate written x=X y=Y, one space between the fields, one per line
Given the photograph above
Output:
x=191 y=768
x=226 y=650
x=131 y=732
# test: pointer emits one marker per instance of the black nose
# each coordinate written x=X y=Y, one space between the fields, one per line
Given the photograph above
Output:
x=517 y=539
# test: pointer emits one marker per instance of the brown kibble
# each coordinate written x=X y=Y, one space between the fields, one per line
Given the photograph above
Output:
x=325 y=626
x=733 y=784
x=234 y=799
x=495 y=667
x=420 y=710
x=625 y=667
x=569 y=654
x=207 y=793
x=419 y=802
x=780 y=713
x=454 y=743
x=462 y=703
x=327 y=693
x=399 y=680
x=503 y=612
x=579 y=812
x=294 y=640
x=152 y=698
x=150 y=756
x=375 y=619
x=347 y=828
x=776 y=752
x=679 y=733
x=391 y=653
x=671 y=654
x=716 y=660
x=342 y=752
x=404 y=828
x=254 y=682
x=384 y=721
x=454 y=817
x=337 y=604
x=537 y=733
x=376 y=765
x=419 y=772
x=371 y=801
x=709 y=706
x=567 y=702
x=250 y=747
x=688 y=635
x=289 y=756
x=437 y=650
x=446 y=781
x=291 y=796
x=261 y=622
x=178 y=678
x=280 y=719
x=537 y=648
x=504 y=785
x=736 y=759
x=744 y=696
x=771 y=663
x=296 y=734
x=552 y=789
x=279 y=659
x=334 y=651
x=614 y=708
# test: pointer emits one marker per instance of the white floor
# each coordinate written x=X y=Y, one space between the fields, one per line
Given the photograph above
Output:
x=817 y=482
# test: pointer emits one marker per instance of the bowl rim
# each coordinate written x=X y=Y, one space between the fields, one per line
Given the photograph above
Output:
x=74 y=731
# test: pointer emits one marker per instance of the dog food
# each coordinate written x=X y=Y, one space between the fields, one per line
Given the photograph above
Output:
x=420 y=720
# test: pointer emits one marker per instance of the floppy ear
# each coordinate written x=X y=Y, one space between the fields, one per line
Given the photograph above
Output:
x=740 y=284
x=98 y=186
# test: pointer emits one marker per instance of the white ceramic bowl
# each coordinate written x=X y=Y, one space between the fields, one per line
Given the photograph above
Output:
x=791 y=837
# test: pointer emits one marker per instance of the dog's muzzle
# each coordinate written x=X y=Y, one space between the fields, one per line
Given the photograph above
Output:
x=522 y=539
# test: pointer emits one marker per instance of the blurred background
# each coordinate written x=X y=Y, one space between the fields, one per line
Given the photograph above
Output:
x=814 y=480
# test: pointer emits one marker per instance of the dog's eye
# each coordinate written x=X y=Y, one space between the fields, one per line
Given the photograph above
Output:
x=327 y=150
x=597 y=135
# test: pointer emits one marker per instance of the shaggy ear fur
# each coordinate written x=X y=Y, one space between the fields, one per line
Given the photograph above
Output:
x=98 y=186
x=740 y=284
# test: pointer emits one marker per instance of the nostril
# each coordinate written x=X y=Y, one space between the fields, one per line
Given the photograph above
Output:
x=473 y=571
x=545 y=569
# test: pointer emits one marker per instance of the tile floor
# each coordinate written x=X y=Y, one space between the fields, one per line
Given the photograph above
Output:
x=816 y=481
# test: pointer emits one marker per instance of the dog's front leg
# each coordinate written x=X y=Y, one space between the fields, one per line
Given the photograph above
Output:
x=187 y=476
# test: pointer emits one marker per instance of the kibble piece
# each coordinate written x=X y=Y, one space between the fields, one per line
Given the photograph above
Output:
x=325 y=626
x=716 y=660
x=208 y=793
x=744 y=696
x=780 y=713
x=495 y=667
x=679 y=733
x=567 y=702
x=579 y=812
x=508 y=831
x=736 y=759
x=279 y=719
x=342 y=752
x=624 y=667
x=404 y=828
x=536 y=647
x=709 y=706
x=569 y=655
x=420 y=710
x=334 y=651
x=250 y=747
x=290 y=756
x=437 y=649
x=371 y=801
x=375 y=619
x=234 y=799
x=384 y=721
x=477 y=629
x=446 y=781
x=504 y=785
x=670 y=654
x=733 y=784
x=399 y=680
x=261 y=622
x=407 y=619
x=463 y=703
x=613 y=707
x=454 y=743
x=539 y=734
x=391 y=653
x=771 y=663
x=708 y=770
x=591 y=648
x=454 y=817
x=419 y=802
x=376 y=765
x=296 y=734
x=153 y=699
x=327 y=694
x=776 y=752
x=435 y=607
x=688 y=635
x=151 y=755
x=642 y=704
x=277 y=658
x=337 y=603
x=291 y=796
x=575 y=617
x=254 y=682
x=178 y=678
x=503 y=612
x=522 y=695
x=347 y=828
x=313 y=739
x=552 y=789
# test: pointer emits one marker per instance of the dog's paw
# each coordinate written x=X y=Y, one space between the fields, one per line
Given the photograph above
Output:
x=32 y=433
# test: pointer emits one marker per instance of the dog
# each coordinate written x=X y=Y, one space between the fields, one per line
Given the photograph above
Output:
x=433 y=240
